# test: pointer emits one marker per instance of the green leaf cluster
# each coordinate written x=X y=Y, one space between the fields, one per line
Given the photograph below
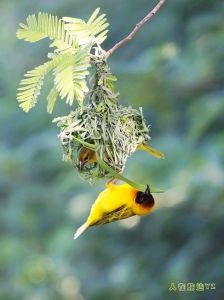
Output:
x=72 y=40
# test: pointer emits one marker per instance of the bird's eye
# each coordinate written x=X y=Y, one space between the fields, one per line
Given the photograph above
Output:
x=139 y=198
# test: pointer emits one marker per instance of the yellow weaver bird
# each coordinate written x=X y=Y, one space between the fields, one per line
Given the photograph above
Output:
x=118 y=202
x=88 y=156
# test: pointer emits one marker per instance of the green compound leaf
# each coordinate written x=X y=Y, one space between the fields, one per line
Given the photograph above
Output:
x=46 y=25
x=70 y=76
x=31 y=86
x=70 y=72
x=72 y=40
x=94 y=30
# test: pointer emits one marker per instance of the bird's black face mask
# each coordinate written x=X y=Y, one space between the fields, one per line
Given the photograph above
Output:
x=145 y=198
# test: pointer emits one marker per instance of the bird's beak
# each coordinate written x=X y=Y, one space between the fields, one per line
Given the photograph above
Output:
x=82 y=165
x=147 y=191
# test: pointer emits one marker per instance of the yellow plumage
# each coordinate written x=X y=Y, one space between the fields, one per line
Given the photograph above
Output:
x=117 y=202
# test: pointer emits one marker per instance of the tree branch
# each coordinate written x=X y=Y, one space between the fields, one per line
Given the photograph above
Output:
x=136 y=29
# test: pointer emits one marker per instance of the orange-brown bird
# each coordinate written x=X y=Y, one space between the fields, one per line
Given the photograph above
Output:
x=118 y=202
x=88 y=156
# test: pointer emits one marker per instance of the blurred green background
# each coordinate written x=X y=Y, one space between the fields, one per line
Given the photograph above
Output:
x=174 y=69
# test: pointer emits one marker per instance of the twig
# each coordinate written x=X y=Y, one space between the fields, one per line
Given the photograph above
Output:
x=135 y=185
x=136 y=29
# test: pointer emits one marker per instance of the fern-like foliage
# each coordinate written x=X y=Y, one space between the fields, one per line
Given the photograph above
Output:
x=46 y=25
x=31 y=85
x=70 y=71
x=72 y=40
x=70 y=76
x=94 y=30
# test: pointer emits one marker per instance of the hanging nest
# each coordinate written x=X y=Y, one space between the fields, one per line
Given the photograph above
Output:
x=114 y=131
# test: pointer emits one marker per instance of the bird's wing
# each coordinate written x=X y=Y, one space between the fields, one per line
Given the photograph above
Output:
x=120 y=213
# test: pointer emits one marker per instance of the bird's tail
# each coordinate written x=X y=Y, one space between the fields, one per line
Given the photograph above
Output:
x=150 y=150
x=80 y=230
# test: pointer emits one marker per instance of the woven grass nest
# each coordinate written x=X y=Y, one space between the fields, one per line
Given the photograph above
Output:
x=114 y=130
x=111 y=130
